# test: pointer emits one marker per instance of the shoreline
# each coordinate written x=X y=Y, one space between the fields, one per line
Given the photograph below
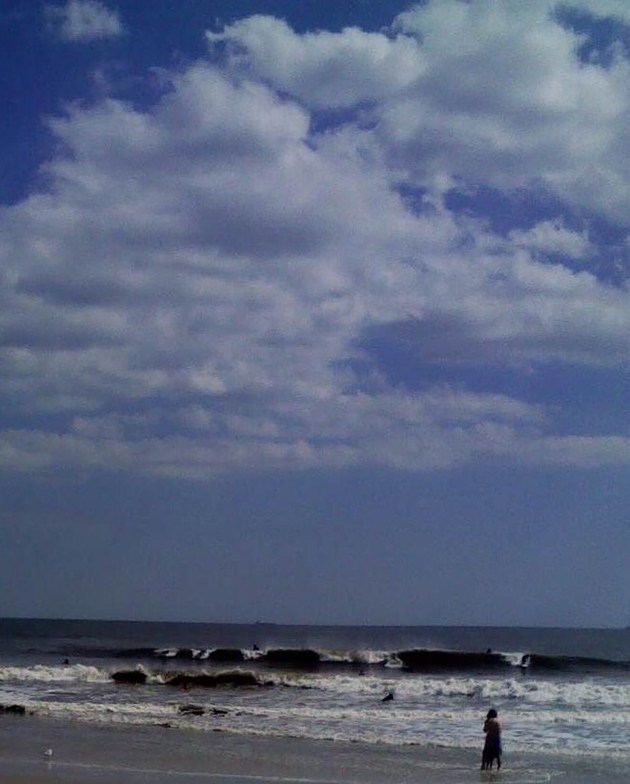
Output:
x=101 y=754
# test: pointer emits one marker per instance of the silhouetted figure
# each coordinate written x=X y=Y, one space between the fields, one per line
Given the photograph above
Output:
x=388 y=697
x=492 y=746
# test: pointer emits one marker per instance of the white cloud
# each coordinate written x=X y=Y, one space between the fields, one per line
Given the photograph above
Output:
x=481 y=92
x=552 y=237
x=579 y=451
x=324 y=69
x=206 y=283
x=83 y=21
x=436 y=430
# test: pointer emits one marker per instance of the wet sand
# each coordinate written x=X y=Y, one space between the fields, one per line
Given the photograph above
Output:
x=88 y=754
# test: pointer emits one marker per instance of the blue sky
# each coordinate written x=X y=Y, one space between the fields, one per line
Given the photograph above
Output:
x=315 y=312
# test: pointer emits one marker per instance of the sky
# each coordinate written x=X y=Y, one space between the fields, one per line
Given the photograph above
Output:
x=315 y=312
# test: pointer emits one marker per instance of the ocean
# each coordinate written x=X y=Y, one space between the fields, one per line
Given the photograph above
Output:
x=561 y=694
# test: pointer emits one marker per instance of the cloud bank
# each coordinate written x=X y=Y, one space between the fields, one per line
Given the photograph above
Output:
x=223 y=280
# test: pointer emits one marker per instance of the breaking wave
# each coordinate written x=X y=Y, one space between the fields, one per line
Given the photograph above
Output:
x=413 y=660
x=187 y=680
x=40 y=673
x=416 y=660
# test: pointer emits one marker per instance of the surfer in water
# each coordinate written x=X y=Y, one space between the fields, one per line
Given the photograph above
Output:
x=492 y=746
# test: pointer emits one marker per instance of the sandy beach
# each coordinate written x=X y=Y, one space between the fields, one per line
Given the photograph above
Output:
x=135 y=755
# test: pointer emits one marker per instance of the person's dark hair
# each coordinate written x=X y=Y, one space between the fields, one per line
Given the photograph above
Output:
x=492 y=714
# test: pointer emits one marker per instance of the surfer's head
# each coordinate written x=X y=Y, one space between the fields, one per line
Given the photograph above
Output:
x=492 y=714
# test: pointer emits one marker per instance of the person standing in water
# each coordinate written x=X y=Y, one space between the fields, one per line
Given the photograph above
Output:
x=492 y=746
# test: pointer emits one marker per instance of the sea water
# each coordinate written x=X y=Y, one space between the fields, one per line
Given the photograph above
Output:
x=561 y=694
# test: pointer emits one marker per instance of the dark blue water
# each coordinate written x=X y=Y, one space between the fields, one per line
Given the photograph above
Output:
x=105 y=638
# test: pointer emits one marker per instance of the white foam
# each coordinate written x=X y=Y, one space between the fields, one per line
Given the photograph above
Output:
x=449 y=721
x=252 y=655
x=56 y=674
x=106 y=713
x=527 y=690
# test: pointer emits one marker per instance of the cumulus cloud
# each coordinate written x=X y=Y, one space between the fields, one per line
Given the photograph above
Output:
x=216 y=281
x=486 y=93
x=83 y=21
x=324 y=69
